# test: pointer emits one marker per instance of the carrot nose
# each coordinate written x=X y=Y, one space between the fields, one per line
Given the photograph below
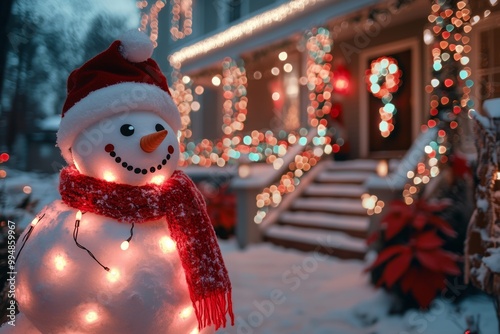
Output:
x=150 y=142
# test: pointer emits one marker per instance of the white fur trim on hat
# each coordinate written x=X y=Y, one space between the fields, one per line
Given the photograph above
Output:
x=110 y=101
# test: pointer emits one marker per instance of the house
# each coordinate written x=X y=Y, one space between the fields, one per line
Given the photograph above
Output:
x=254 y=84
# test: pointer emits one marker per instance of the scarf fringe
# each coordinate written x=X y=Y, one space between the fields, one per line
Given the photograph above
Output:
x=213 y=310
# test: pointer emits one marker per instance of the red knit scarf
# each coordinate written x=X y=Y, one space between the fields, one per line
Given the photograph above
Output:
x=182 y=204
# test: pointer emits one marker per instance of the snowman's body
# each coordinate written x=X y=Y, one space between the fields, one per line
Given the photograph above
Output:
x=61 y=289
x=119 y=128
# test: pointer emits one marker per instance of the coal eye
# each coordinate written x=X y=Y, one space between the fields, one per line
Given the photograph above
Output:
x=127 y=130
x=159 y=127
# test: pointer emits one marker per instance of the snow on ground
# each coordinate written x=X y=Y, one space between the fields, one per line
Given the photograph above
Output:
x=280 y=291
x=276 y=290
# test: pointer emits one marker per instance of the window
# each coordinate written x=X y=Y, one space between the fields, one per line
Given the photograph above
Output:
x=488 y=64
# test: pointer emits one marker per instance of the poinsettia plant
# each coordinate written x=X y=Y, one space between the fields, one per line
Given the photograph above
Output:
x=412 y=260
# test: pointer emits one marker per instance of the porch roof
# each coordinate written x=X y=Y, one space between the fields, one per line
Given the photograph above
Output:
x=248 y=35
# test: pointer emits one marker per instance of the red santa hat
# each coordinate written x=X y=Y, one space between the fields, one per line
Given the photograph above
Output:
x=122 y=78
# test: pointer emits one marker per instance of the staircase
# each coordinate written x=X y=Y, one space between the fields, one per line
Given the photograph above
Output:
x=328 y=217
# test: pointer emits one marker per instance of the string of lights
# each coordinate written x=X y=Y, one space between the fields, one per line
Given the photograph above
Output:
x=151 y=18
x=449 y=89
x=182 y=10
x=383 y=78
x=319 y=83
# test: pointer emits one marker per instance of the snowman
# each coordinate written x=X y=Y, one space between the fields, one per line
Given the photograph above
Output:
x=129 y=248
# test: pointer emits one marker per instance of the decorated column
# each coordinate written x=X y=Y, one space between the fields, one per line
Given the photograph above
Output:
x=482 y=249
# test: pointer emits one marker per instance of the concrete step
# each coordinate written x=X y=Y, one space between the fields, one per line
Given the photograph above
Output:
x=354 y=165
x=334 y=190
x=343 y=177
x=352 y=225
x=344 y=206
x=313 y=240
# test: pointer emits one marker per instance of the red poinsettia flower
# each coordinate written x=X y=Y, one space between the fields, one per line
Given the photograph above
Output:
x=418 y=215
x=419 y=268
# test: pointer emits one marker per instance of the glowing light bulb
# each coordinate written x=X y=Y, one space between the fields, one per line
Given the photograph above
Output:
x=60 y=262
x=113 y=275
x=186 y=312
x=109 y=176
x=216 y=81
x=79 y=215
x=124 y=246
x=382 y=168
x=167 y=245
x=91 y=317
x=283 y=56
x=158 y=179
x=34 y=222
x=27 y=190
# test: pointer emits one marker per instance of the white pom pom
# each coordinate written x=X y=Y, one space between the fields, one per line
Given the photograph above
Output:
x=136 y=46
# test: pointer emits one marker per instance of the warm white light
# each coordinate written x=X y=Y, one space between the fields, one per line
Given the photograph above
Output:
x=113 y=275
x=185 y=313
x=216 y=81
x=167 y=245
x=158 y=179
x=275 y=96
x=91 y=316
x=243 y=30
x=288 y=67
x=257 y=75
x=27 y=190
x=283 y=56
x=195 y=106
x=199 y=90
x=493 y=2
x=34 y=222
x=124 y=246
x=78 y=215
x=60 y=262
x=244 y=171
x=275 y=71
x=108 y=176
x=186 y=79
x=195 y=331
x=428 y=37
x=497 y=176
x=382 y=168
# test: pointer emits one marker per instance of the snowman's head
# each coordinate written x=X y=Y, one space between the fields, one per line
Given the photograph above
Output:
x=119 y=121
x=135 y=148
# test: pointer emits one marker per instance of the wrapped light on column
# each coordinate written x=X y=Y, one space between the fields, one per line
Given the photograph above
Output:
x=182 y=15
x=383 y=78
x=449 y=89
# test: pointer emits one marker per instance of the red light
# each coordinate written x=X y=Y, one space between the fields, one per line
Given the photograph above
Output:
x=4 y=157
x=467 y=331
x=448 y=82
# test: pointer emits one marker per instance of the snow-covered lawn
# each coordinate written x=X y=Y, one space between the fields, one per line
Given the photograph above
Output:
x=278 y=291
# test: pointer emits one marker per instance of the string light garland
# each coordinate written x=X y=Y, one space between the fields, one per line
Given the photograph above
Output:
x=383 y=78
x=78 y=219
x=182 y=10
x=449 y=88
x=35 y=221
x=319 y=74
x=151 y=18
x=242 y=30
